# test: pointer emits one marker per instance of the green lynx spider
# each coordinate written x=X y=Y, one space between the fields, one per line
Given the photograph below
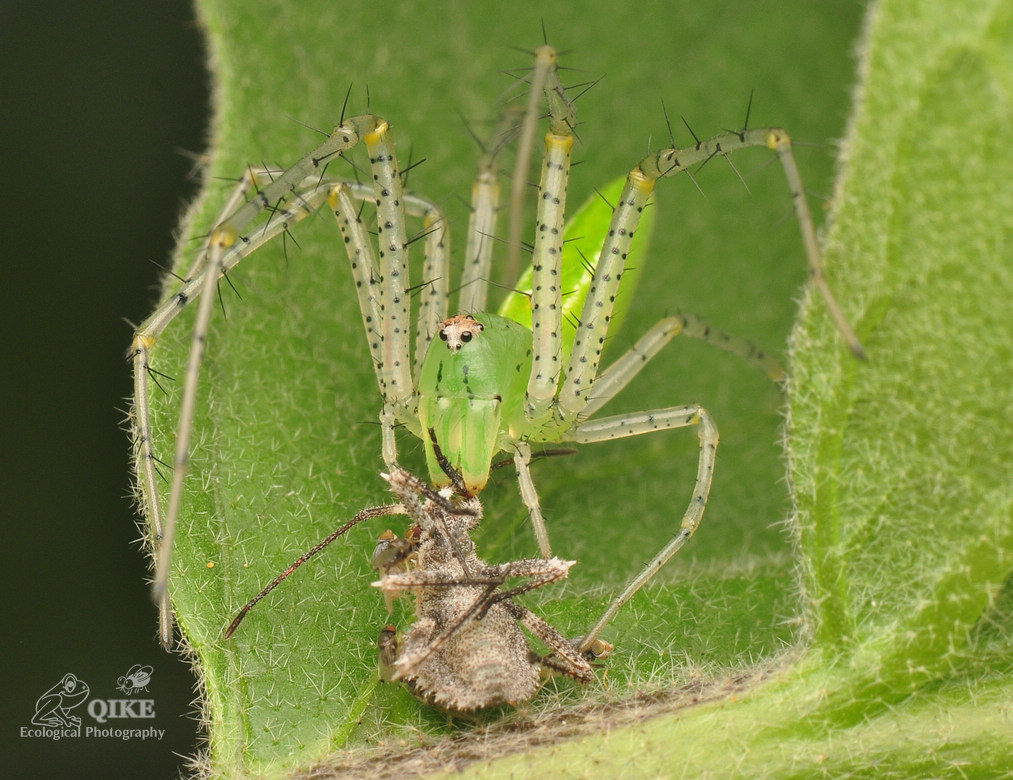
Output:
x=493 y=385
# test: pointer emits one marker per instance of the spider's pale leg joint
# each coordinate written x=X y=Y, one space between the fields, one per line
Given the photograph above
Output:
x=647 y=422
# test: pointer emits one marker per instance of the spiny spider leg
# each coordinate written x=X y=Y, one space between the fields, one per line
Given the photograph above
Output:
x=554 y=412
x=278 y=201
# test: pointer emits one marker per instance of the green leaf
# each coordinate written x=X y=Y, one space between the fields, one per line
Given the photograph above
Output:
x=902 y=465
x=869 y=634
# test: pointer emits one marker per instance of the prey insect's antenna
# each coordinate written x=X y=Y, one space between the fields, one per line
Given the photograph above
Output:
x=365 y=514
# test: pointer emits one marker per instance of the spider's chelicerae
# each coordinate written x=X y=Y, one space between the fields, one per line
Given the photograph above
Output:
x=483 y=382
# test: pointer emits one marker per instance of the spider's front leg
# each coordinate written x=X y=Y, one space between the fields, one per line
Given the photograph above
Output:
x=383 y=283
x=648 y=422
x=546 y=290
x=602 y=389
x=262 y=206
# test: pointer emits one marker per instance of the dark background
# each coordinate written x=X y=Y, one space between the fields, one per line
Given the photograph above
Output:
x=103 y=104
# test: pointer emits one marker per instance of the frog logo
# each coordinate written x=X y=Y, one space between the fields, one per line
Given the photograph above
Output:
x=53 y=707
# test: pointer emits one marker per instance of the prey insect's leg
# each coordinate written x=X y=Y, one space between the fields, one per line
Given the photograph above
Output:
x=541 y=571
x=566 y=658
x=646 y=422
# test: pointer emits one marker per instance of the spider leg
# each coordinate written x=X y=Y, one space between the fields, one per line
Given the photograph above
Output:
x=647 y=422
x=547 y=292
x=485 y=196
x=529 y=495
x=240 y=230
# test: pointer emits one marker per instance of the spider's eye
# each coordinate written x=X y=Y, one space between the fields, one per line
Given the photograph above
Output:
x=466 y=336
x=443 y=334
